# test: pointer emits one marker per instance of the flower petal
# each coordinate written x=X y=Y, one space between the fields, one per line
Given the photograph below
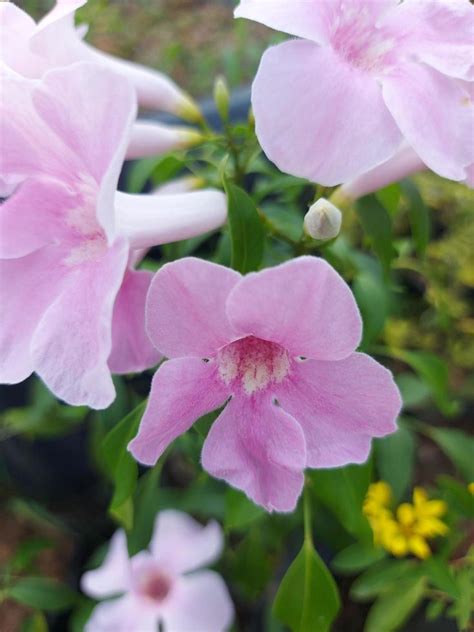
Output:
x=340 y=407
x=152 y=220
x=154 y=139
x=113 y=576
x=27 y=287
x=201 y=602
x=258 y=448
x=122 y=615
x=318 y=118
x=33 y=216
x=72 y=343
x=181 y=544
x=303 y=305
x=185 y=312
x=132 y=350
x=182 y=391
x=16 y=27
x=435 y=116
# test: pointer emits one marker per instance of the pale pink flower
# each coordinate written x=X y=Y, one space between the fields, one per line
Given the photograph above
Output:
x=365 y=75
x=277 y=348
x=72 y=304
x=162 y=585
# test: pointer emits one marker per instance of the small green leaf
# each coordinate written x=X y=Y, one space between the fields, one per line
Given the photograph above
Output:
x=434 y=610
x=343 y=490
x=377 y=225
x=121 y=466
x=393 y=608
x=146 y=507
x=43 y=593
x=435 y=373
x=380 y=578
x=395 y=459
x=390 y=197
x=239 y=510
x=27 y=552
x=35 y=623
x=372 y=297
x=307 y=599
x=246 y=230
x=249 y=564
x=414 y=390
x=441 y=576
x=459 y=447
x=419 y=215
x=356 y=558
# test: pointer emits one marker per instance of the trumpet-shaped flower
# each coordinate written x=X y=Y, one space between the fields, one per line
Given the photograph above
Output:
x=364 y=76
x=72 y=304
x=164 y=585
x=277 y=349
x=408 y=529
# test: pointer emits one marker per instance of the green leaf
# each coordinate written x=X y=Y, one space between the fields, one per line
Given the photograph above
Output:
x=249 y=566
x=435 y=373
x=441 y=576
x=464 y=606
x=459 y=447
x=121 y=466
x=26 y=553
x=380 y=578
x=342 y=491
x=390 y=197
x=395 y=459
x=146 y=507
x=81 y=615
x=372 y=297
x=239 y=510
x=419 y=216
x=356 y=558
x=434 y=610
x=307 y=599
x=414 y=390
x=246 y=230
x=377 y=225
x=35 y=623
x=392 y=609
x=43 y=593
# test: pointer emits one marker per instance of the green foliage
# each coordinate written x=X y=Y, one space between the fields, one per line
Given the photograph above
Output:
x=240 y=512
x=43 y=593
x=356 y=557
x=35 y=623
x=378 y=227
x=419 y=216
x=458 y=445
x=394 y=607
x=395 y=459
x=246 y=230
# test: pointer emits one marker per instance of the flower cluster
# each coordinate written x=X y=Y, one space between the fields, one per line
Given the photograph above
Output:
x=406 y=530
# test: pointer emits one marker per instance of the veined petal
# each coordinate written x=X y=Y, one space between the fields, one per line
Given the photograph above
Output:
x=182 y=391
x=257 y=447
x=319 y=118
x=152 y=220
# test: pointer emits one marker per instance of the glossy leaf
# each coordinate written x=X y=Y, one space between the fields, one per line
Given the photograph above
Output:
x=246 y=230
x=43 y=593
x=356 y=558
x=372 y=297
x=377 y=225
x=307 y=599
x=395 y=459
x=239 y=510
x=380 y=578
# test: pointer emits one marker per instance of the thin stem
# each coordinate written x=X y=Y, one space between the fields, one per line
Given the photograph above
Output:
x=308 y=533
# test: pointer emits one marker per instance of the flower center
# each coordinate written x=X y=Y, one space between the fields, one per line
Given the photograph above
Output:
x=253 y=362
x=87 y=238
x=360 y=43
x=156 y=586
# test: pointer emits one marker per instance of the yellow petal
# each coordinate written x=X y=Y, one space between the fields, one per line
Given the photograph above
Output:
x=419 y=547
x=435 y=508
x=431 y=527
x=406 y=514
x=398 y=546
x=419 y=496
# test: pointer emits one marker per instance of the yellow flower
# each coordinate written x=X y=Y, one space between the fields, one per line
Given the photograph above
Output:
x=470 y=488
x=407 y=530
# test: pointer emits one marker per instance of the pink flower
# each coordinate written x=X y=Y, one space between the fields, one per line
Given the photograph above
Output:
x=277 y=349
x=31 y=49
x=366 y=75
x=163 y=584
x=72 y=304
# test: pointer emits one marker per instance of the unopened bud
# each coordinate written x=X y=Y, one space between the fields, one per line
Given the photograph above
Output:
x=222 y=98
x=323 y=220
x=189 y=110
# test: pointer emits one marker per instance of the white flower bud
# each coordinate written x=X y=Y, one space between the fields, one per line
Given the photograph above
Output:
x=323 y=220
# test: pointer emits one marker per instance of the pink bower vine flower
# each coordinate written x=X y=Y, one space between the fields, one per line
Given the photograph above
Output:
x=162 y=585
x=278 y=347
x=367 y=75
x=72 y=304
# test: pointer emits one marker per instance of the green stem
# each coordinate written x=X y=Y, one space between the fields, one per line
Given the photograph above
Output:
x=308 y=532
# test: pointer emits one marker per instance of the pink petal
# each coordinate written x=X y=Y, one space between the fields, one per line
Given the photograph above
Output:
x=113 y=576
x=303 y=305
x=33 y=216
x=341 y=406
x=152 y=220
x=310 y=20
x=258 y=448
x=435 y=116
x=154 y=139
x=132 y=350
x=201 y=603
x=318 y=118
x=102 y=108
x=27 y=287
x=182 y=391
x=439 y=33
x=185 y=312
x=181 y=544
x=72 y=343
x=62 y=9
x=126 y=614
x=16 y=27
